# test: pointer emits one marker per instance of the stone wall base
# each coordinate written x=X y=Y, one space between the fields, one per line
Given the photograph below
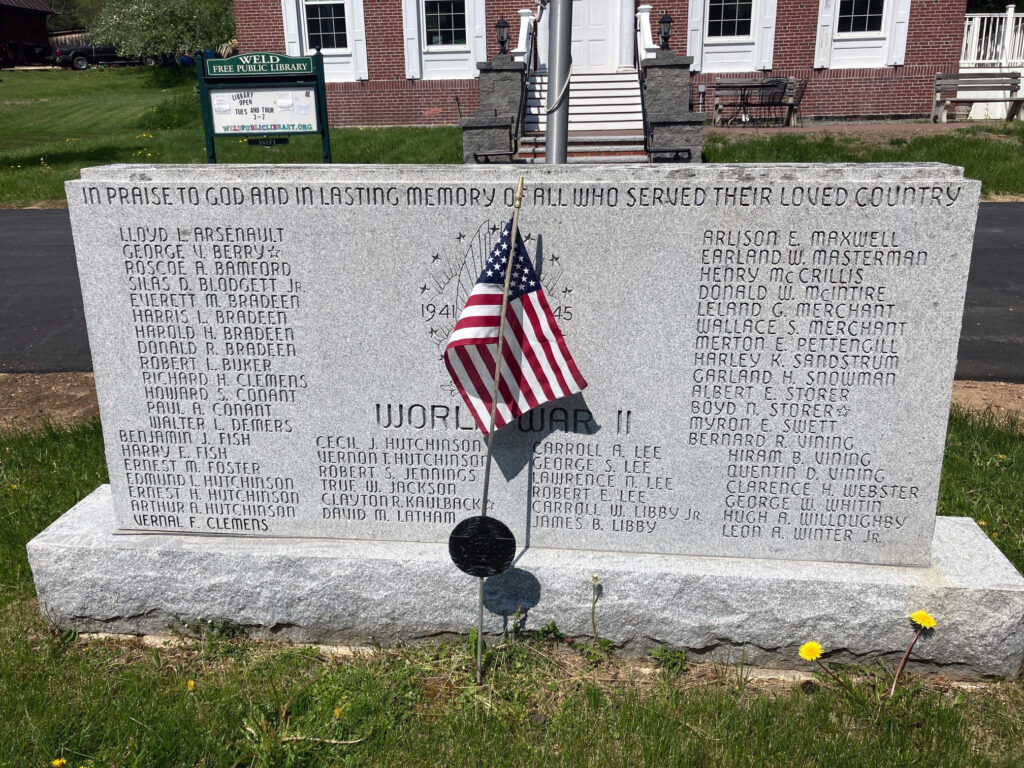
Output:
x=757 y=612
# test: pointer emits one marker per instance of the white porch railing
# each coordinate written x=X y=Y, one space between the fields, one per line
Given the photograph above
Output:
x=526 y=20
x=644 y=36
x=993 y=39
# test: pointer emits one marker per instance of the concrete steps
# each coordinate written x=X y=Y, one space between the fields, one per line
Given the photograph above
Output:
x=588 y=147
x=605 y=119
x=606 y=101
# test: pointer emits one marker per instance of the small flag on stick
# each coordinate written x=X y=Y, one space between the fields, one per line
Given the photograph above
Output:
x=536 y=366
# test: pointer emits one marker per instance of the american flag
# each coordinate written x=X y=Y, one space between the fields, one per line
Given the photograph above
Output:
x=536 y=365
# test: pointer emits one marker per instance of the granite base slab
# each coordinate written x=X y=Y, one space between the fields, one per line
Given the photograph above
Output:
x=354 y=592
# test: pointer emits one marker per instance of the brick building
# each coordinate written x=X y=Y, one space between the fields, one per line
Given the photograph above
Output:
x=23 y=36
x=409 y=62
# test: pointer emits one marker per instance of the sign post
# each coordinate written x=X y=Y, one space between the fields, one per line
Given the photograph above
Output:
x=263 y=96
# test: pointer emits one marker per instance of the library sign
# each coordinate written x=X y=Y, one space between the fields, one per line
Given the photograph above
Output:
x=264 y=97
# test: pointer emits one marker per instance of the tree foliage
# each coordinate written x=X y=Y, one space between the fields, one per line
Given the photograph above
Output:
x=140 y=27
x=73 y=14
x=987 y=6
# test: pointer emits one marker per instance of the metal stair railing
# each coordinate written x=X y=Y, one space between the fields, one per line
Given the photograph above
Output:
x=643 y=92
x=517 y=130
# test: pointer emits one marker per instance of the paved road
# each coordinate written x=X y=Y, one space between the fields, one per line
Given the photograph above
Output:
x=42 y=327
x=42 y=324
x=992 y=335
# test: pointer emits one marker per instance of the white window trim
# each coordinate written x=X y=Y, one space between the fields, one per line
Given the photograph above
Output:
x=466 y=47
x=881 y=34
x=340 y=64
x=732 y=38
x=761 y=38
x=304 y=31
x=443 y=62
x=893 y=37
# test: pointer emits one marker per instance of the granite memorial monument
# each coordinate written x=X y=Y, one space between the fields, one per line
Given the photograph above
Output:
x=770 y=352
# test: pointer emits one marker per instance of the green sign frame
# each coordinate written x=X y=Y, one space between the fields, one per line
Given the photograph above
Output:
x=260 y=65
x=263 y=70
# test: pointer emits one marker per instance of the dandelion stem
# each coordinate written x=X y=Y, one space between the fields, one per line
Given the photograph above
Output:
x=903 y=662
x=593 y=611
x=313 y=740
x=836 y=677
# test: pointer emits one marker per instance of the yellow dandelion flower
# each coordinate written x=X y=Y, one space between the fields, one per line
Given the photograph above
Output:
x=190 y=685
x=60 y=762
x=14 y=487
x=923 y=619
x=982 y=523
x=810 y=651
x=337 y=713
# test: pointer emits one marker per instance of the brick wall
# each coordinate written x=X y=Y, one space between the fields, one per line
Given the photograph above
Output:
x=259 y=26
x=933 y=45
x=401 y=101
x=388 y=98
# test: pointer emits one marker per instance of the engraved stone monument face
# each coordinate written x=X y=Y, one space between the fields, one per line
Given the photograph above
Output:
x=770 y=352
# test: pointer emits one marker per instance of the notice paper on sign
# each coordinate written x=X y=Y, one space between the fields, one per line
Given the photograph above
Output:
x=260 y=111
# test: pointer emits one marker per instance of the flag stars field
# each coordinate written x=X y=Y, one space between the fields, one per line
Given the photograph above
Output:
x=536 y=366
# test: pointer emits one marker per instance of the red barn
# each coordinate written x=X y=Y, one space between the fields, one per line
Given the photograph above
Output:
x=409 y=62
x=23 y=37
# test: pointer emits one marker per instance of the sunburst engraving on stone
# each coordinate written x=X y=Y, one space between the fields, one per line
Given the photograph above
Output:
x=453 y=269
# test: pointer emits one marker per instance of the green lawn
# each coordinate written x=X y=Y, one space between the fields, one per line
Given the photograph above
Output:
x=992 y=153
x=106 y=703
x=117 y=703
x=53 y=123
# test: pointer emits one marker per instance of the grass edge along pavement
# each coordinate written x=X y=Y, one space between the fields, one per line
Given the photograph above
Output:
x=57 y=122
x=992 y=152
x=547 y=700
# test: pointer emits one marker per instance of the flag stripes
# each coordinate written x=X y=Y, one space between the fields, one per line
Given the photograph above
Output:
x=536 y=366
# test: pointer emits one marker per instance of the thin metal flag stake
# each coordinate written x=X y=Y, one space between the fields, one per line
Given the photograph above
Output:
x=494 y=414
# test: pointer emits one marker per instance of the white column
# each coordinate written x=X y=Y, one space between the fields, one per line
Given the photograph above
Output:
x=1008 y=25
x=542 y=42
x=626 y=25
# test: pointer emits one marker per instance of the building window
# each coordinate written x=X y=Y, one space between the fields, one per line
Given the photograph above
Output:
x=445 y=22
x=860 y=16
x=729 y=18
x=325 y=25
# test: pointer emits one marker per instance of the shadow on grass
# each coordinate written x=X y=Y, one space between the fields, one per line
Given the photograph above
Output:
x=74 y=158
x=169 y=77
